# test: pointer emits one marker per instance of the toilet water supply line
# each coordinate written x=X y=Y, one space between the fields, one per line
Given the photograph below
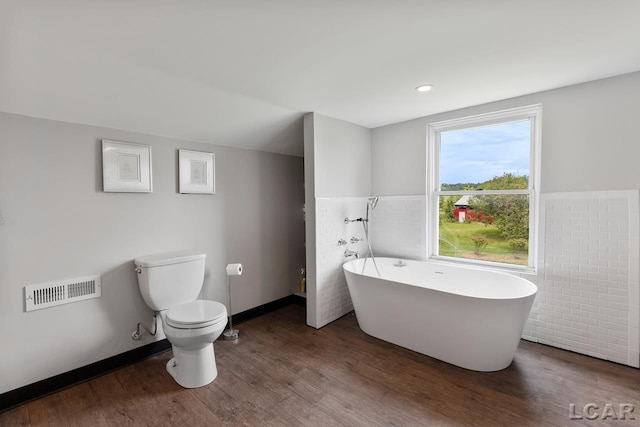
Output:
x=137 y=334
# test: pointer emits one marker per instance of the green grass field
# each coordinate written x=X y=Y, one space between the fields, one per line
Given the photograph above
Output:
x=458 y=235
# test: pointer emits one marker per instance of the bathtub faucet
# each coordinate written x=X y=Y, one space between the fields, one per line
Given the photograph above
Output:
x=348 y=253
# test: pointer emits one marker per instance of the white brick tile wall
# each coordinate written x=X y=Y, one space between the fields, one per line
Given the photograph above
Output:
x=398 y=227
x=588 y=281
x=332 y=295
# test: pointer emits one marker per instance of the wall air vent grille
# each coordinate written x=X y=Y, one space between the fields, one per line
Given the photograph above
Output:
x=61 y=292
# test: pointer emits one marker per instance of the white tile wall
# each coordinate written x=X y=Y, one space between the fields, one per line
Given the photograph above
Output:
x=588 y=279
x=397 y=227
x=332 y=295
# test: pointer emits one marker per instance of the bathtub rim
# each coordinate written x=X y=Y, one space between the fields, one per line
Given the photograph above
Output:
x=349 y=266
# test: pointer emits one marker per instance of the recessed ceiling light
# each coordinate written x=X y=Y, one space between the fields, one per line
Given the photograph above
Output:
x=424 y=88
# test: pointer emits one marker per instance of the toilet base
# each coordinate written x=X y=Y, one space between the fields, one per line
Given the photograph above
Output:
x=193 y=368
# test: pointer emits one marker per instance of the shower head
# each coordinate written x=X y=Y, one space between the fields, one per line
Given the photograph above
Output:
x=373 y=202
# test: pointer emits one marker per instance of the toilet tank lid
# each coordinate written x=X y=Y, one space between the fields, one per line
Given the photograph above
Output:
x=168 y=258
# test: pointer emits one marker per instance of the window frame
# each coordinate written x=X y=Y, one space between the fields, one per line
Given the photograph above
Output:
x=533 y=113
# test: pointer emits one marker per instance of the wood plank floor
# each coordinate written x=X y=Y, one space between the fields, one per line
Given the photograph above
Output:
x=283 y=373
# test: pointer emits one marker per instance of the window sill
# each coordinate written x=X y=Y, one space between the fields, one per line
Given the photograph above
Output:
x=484 y=265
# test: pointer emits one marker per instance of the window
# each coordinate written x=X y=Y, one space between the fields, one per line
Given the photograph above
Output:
x=483 y=183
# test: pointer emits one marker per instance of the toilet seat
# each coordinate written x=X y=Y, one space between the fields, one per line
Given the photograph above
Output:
x=196 y=314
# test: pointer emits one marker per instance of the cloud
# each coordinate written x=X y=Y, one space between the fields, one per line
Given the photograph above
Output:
x=479 y=154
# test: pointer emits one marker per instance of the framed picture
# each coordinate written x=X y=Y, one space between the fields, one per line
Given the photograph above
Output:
x=126 y=167
x=197 y=172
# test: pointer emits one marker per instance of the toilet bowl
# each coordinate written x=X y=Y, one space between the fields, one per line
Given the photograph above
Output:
x=191 y=329
x=170 y=284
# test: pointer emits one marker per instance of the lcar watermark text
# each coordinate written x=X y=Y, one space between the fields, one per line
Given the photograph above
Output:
x=609 y=411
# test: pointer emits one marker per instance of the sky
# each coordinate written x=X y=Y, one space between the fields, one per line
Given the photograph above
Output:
x=479 y=154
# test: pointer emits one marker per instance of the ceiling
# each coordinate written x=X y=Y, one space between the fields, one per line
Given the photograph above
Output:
x=243 y=72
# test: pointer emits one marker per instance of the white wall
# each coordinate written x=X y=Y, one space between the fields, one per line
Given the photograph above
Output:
x=264 y=221
x=337 y=164
x=398 y=159
x=342 y=158
x=310 y=218
x=589 y=140
x=59 y=224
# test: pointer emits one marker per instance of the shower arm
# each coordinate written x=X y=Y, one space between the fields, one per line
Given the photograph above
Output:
x=372 y=202
x=347 y=220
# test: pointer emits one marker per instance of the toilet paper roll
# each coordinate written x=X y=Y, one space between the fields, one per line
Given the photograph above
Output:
x=234 y=269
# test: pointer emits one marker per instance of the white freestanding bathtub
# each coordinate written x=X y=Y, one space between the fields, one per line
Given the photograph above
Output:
x=467 y=317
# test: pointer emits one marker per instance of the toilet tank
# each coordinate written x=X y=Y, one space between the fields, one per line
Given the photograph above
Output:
x=170 y=279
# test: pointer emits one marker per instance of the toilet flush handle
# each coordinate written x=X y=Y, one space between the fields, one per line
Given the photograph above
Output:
x=137 y=269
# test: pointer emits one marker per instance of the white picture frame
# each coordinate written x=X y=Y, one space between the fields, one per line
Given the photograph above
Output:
x=197 y=172
x=126 y=167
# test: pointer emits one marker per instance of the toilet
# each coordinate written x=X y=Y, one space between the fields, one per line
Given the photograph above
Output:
x=170 y=284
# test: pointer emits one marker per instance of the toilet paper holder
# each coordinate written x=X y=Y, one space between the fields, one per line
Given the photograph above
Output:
x=232 y=270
